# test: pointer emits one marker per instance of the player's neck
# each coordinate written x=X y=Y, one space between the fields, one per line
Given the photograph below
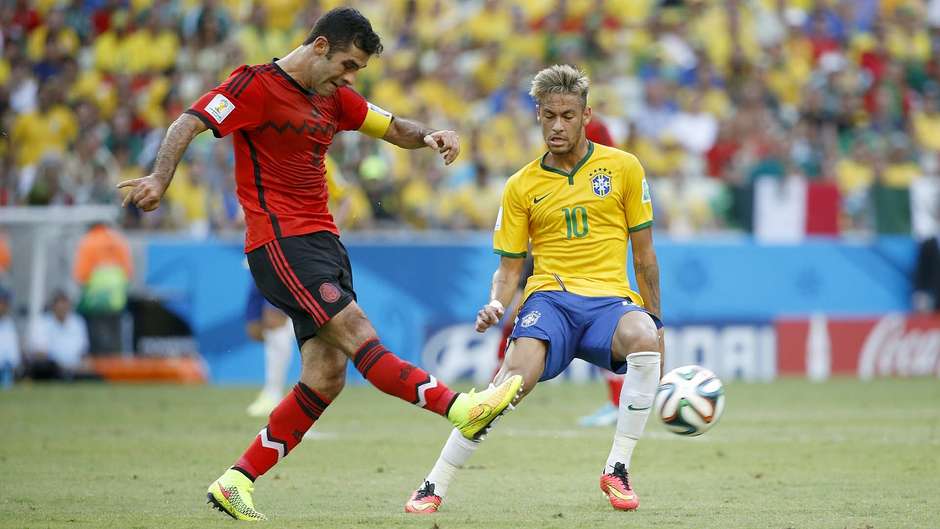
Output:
x=292 y=64
x=567 y=162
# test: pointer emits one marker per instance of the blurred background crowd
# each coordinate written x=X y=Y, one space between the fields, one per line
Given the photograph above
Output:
x=781 y=117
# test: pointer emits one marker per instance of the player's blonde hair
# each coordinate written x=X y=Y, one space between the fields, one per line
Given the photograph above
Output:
x=560 y=79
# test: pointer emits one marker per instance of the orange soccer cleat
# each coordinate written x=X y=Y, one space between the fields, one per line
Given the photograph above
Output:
x=424 y=501
x=616 y=485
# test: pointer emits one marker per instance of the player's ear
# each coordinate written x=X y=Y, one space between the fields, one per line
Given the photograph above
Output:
x=538 y=113
x=587 y=114
x=321 y=46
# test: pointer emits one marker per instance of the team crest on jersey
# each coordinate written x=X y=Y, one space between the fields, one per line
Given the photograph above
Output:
x=530 y=319
x=329 y=292
x=219 y=108
x=600 y=181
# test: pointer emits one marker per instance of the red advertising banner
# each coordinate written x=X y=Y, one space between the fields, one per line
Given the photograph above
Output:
x=891 y=345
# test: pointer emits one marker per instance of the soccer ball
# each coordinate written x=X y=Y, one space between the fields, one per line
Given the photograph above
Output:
x=690 y=400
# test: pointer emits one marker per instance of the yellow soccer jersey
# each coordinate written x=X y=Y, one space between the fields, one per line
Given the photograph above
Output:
x=578 y=223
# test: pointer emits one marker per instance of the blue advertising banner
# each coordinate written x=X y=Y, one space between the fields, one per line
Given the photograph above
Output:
x=414 y=288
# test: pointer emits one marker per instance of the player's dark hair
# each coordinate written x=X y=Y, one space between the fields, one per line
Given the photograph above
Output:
x=344 y=26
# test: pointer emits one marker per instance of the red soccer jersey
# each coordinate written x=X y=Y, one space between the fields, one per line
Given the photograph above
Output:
x=282 y=134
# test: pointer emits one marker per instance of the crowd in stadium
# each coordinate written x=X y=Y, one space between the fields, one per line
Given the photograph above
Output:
x=747 y=114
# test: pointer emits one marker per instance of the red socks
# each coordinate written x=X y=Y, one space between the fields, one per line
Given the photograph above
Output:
x=286 y=426
x=291 y=419
x=396 y=377
x=614 y=385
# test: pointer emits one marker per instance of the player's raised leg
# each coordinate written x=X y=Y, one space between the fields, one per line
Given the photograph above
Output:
x=525 y=358
x=635 y=342
x=322 y=377
x=351 y=332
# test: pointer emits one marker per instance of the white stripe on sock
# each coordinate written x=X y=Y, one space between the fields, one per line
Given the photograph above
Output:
x=423 y=389
x=273 y=445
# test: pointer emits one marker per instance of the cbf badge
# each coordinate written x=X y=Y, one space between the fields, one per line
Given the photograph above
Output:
x=600 y=182
x=530 y=319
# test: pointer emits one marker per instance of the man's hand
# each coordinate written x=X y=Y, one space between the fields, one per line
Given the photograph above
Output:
x=488 y=316
x=145 y=193
x=445 y=142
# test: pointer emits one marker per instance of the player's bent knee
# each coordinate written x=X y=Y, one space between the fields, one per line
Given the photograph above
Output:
x=323 y=367
x=633 y=343
x=328 y=379
x=333 y=385
x=635 y=333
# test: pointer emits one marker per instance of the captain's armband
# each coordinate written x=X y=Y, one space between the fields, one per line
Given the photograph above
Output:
x=376 y=122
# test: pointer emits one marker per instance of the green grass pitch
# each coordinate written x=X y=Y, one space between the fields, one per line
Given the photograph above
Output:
x=790 y=454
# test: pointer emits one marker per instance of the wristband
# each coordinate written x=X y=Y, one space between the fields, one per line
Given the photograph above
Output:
x=495 y=303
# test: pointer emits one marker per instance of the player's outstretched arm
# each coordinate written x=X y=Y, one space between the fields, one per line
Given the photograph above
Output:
x=646 y=267
x=408 y=134
x=505 y=282
x=146 y=192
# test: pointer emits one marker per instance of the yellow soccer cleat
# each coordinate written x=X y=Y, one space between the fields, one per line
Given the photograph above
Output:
x=472 y=413
x=231 y=494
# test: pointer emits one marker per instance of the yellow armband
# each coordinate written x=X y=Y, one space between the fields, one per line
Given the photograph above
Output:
x=376 y=122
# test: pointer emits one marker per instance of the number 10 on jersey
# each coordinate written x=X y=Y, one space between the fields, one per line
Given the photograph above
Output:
x=576 y=219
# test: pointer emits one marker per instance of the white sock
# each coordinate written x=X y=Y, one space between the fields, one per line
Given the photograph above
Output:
x=636 y=399
x=278 y=350
x=455 y=454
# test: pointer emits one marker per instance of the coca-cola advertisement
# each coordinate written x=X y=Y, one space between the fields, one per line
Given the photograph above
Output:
x=891 y=345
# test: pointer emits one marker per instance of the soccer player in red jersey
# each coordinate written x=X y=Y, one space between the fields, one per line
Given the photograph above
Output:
x=284 y=115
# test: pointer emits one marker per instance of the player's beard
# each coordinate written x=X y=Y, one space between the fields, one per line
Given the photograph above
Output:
x=569 y=146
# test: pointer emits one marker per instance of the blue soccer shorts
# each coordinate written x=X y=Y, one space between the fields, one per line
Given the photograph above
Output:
x=575 y=327
x=256 y=304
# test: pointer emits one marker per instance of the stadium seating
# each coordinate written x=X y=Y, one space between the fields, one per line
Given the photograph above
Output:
x=837 y=100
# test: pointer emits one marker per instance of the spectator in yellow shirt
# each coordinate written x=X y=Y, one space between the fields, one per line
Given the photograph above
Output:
x=112 y=52
x=908 y=39
x=902 y=170
x=53 y=30
x=49 y=129
x=260 y=41
x=153 y=47
x=854 y=173
x=474 y=205
x=926 y=122
x=189 y=198
x=492 y=23
x=348 y=202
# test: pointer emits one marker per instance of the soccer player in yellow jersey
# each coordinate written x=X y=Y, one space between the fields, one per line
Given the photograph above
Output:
x=577 y=205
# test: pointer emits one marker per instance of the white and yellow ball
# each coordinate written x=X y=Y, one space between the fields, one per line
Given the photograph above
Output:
x=690 y=400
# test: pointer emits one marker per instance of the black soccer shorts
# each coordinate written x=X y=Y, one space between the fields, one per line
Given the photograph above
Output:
x=307 y=276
